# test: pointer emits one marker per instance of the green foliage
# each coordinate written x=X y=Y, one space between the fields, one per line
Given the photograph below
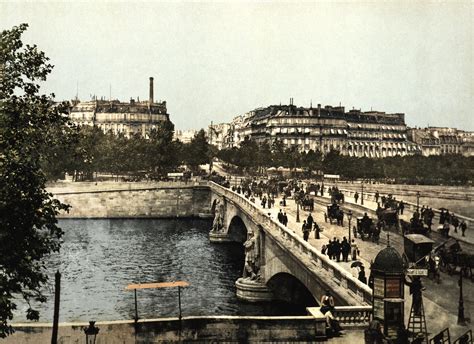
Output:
x=198 y=151
x=30 y=124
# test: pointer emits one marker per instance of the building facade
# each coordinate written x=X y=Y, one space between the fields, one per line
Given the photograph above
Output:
x=134 y=117
x=354 y=133
x=185 y=136
x=442 y=141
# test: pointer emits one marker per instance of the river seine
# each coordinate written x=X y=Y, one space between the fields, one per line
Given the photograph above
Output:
x=99 y=258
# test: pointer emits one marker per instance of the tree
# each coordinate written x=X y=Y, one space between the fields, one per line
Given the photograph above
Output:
x=28 y=224
x=198 y=151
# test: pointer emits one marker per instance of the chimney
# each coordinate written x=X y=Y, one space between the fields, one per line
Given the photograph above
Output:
x=319 y=110
x=151 y=90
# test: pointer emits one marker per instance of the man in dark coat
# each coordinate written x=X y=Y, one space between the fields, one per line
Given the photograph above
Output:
x=345 y=249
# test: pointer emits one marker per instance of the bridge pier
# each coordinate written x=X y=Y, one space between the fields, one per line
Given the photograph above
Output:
x=219 y=237
x=253 y=291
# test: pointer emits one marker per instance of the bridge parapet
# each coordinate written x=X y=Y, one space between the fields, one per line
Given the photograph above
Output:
x=337 y=275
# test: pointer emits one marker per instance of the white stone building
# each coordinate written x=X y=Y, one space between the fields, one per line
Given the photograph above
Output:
x=119 y=117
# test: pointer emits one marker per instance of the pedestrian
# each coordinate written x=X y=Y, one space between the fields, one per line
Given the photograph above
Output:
x=345 y=249
x=416 y=288
x=446 y=229
x=463 y=227
x=354 y=250
x=442 y=217
x=401 y=207
x=455 y=222
x=284 y=201
x=280 y=217
x=376 y=197
x=362 y=276
x=317 y=231
x=305 y=230
x=327 y=308
x=330 y=249
x=324 y=249
x=322 y=189
x=309 y=221
x=374 y=334
x=356 y=196
x=338 y=250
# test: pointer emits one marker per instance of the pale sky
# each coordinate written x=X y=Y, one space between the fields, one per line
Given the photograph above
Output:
x=213 y=61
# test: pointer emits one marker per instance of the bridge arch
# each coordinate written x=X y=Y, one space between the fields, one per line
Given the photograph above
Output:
x=288 y=288
x=237 y=230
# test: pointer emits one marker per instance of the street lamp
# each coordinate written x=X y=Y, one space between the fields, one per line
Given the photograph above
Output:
x=91 y=332
x=362 y=193
x=297 y=210
x=461 y=318
x=417 y=200
x=349 y=216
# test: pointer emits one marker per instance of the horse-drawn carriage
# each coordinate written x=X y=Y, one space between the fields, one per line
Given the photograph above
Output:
x=336 y=196
x=389 y=218
x=418 y=253
x=307 y=203
x=334 y=213
x=366 y=228
x=417 y=247
x=453 y=257
x=414 y=227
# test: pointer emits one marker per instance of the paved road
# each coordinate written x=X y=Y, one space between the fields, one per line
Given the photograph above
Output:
x=440 y=300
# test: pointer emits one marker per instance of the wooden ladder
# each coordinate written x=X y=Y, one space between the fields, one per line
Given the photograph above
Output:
x=417 y=324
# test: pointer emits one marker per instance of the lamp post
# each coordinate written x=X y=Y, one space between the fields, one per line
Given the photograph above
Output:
x=91 y=332
x=461 y=318
x=349 y=216
x=417 y=200
x=297 y=210
x=362 y=193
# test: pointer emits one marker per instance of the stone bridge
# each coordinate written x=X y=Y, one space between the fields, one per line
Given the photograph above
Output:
x=279 y=265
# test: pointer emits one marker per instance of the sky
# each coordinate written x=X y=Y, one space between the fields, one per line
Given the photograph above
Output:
x=214 y=61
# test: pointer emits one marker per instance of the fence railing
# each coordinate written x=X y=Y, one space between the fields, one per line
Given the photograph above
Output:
x=362 y=292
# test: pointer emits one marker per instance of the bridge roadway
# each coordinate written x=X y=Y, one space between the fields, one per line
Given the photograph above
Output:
x=288 y=267
x=440 y=300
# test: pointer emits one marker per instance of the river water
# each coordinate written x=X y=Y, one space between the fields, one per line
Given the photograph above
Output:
x=99 y=258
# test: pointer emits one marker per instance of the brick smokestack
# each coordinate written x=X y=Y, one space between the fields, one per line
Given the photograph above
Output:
x=151 y=90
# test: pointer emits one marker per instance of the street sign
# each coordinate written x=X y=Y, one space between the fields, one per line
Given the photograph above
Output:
x=417 y=272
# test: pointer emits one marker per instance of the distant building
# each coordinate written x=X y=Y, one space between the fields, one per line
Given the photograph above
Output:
x=219 y=135
x=185 y=136
x=441 y=141
x=119 y=117
x=353 y=133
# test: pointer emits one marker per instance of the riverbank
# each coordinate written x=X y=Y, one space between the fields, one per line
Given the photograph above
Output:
x=134 y=200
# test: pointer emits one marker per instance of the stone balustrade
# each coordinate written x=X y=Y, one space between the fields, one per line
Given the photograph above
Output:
x=346 y=315
x=291 y=239
x=353 y=315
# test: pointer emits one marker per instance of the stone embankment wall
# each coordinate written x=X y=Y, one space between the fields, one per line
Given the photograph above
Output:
x=134 y=200
x=240 y=329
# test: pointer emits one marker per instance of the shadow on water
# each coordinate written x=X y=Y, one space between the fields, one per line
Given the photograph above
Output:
x=99 y=258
